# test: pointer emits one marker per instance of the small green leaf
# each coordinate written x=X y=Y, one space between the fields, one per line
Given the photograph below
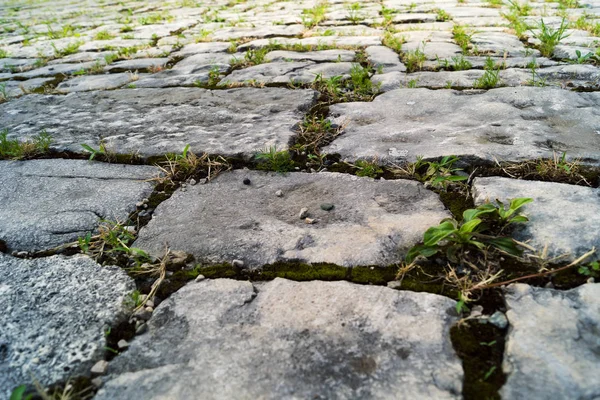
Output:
x=519 y=202
x=420 y=250
x=470 y=226
x=507 y=245
x=434 y=234
x=519 y=218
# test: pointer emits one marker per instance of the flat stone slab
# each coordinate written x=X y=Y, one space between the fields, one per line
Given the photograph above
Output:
x=564 y=217
x=222 y=338
x=154 y=122
x=55 y=311
x=95 y=82
x=372 y=223
x=287 y=72
x=506 y=123
x=50 y=202
x=552 y=345
x=316 y=56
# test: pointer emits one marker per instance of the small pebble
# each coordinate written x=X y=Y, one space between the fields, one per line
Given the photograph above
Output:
x=200 y=278
x=22 y=254
x=499 y=319
x=141 y=329
x=97 y=381
x=142 y=314
x=100 y=367
x=327 y=206
x=150 y=303
x=394 y=284
x=303 y=213
x=139 y=204
x=193 y=182
x=310 y=220
x=549 y=285
x=591 y=280
x=279 y=193
x=246 y=181
x=122 y=344
x=237 y=263
x=129 y=228
x=476 y=311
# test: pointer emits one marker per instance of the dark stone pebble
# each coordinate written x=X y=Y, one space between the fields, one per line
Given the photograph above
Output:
x=247 y=181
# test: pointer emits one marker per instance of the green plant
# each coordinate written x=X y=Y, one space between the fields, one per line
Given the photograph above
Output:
x=392 y=41
x=442 y=15
x=3 y=93
x=459 y=63
x=581 y=59
x=535 y=80
x=491 y=75
x=454 y=239
x=272 y=160
x=251 y=57
x=550 y=37
x=71 y=48
x=592 y=269
x=520 y=9
x=3 y=53
x=20 y=393
x=66 y=31
x=462 y=38
x=412 y=84
x=101 y=150
x=311 y=17
x=103 y=35
x=414 y=59
x=495 y=3
x=367 y=168
x=354 y=13
x=440 y=174
x=15 y=150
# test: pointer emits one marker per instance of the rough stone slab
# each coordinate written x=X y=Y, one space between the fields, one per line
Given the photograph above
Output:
x=551 y=351
x=95 y=82
x=315 y=56
x=233 y=33
x=195 y=48
x=46 y=203
x=140 y=64
x=341 y=41
x=506 y=123
x=384 y=58
x=54 y=70
x=220 y=339
x=158 y=121
x=500 y=44
x=285 y=72
x=373 y=222
x=564 y=217
x=55 y=311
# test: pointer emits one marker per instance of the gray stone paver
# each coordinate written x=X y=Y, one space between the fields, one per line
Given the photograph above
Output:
x=131 y=74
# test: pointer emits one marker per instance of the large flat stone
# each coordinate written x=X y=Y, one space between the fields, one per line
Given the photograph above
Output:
x=222 y=339
x=373 y=222
x=564 y=217
x=286 y=72
x=552 y=349
x=506 y=123
x=55 y=311
x=158 y=121
x=46 y=203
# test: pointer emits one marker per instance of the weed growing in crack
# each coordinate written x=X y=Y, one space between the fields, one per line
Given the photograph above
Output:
x=311 y=17
x=71 y=48
x=13 y=149
x=474 y=245
x=436 y=174
x=354 y=14
x=462 y=38
x=414 y=59
x=367 y=168
x=459 y=63
x=535 y=80
x=315 y=132
x=491 y=75
x=180 y=167
x=251 y=57
x=550 y=37
x=358 y=88
x=3 y=93
x=442 y=15
x=272 y=160
x=392 y=41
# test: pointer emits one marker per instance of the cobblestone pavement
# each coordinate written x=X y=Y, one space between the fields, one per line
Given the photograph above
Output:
x=288 y=200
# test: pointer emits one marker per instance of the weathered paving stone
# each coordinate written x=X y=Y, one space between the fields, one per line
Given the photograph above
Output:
x=55 y=311
x=315 y=56
x=552 y=345
x=232 y=339
x=285 y=72
x=95 y=82
x=506 y=123
x=373 y=222
x=158 y=121
x=140 y=65
x=46 y=203
x=563 y=217
x=385 y=59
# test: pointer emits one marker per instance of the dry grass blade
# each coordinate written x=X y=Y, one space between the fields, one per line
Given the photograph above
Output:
x=159 y=270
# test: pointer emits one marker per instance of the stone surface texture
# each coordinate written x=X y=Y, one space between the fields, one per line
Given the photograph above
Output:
x=46 y=203
x=507 y=124
x=552 y=345
x=55 y=312
x=155 y=122
x=373 y=222
x=230 y=339
x=563 y=217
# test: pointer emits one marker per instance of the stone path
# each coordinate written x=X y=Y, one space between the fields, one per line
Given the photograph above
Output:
x=257 y=266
